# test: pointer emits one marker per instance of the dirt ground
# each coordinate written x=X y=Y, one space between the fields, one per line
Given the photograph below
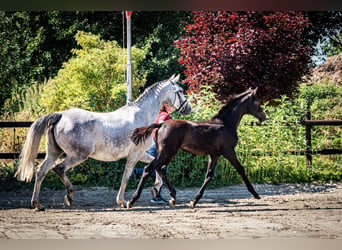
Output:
x=284 y=211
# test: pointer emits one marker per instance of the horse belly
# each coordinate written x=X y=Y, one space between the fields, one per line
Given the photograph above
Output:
x=197 y=147
x=110 y=153
x=195 y=150
x=104 y=155
x=201 y=144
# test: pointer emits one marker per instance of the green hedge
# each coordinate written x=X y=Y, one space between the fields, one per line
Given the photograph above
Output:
x=280 y=132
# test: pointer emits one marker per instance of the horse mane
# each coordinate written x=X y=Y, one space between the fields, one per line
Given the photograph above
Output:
x=148 y=90
x=229 y=105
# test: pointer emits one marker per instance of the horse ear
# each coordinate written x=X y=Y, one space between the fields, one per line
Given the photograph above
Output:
x=255 y=90
x=177 y=78
x=171 y=78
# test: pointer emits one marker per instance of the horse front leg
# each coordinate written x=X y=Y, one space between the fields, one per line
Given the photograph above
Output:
x=231 y=156
x=208 y=177
x=130 y=163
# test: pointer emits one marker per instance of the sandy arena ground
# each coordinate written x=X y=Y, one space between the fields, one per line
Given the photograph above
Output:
x=287 y=211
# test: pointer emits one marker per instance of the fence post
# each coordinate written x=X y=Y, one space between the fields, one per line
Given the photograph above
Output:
x=308 y=152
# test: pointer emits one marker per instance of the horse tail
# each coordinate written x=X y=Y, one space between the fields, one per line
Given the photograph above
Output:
x=139 y=135
x=30 y=149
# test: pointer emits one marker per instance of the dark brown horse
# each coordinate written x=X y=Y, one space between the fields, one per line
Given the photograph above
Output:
x=215 y=137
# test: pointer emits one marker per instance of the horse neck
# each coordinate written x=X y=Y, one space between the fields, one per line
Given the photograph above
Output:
x=151 y=103
x=235 y=115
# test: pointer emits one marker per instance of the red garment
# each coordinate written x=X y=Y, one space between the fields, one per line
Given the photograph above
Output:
x=162 y=117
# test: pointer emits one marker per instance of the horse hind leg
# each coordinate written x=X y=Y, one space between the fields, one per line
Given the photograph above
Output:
x=164 y=158
x=148 y=170
x=53 y=152
x=158 y=183
x=44 y=168
x=172 y=191
x=61 y=168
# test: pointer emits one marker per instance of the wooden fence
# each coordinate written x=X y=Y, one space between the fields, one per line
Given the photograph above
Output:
x=308 y=123
x=308 y=152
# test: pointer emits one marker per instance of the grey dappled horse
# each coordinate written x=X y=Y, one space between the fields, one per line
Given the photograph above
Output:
x=80 y=134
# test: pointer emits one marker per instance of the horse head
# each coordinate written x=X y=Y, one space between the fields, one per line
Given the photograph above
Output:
x=254 y=106
x=179 y=102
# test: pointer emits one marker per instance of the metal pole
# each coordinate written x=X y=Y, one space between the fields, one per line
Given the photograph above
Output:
x=129 y=61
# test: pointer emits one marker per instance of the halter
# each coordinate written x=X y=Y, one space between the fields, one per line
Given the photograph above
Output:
x=175 y=90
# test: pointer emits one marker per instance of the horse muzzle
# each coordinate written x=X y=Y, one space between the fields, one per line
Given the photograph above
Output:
x=185 y=110
x=262 y=118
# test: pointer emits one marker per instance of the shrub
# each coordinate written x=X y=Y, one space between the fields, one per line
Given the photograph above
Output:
x=236 y=50
x=94 y=78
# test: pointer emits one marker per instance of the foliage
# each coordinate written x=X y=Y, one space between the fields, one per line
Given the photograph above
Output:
x=15 y=37
x=325 y=101
x=313 y=94
x=235 y=50
x=161 y=58
x=260 y=148
x=34 y=45
x=25 y=105
x=94 y=78
x=324 y=25
x=325 y=29
x=333 y=47
x=203 y=104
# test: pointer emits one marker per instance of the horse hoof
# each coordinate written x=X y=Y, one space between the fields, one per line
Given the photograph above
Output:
x=120 y=203
x=40 y=208
x=257 y=197
x=128 y=204
x=192 y=204
x=37 y=206
x=68 y=200
x=172 y=202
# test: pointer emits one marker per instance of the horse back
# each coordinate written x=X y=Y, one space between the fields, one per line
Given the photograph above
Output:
x=200 y=138
x=104 y=136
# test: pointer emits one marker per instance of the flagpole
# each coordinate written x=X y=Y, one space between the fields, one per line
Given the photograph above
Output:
x=129 y=60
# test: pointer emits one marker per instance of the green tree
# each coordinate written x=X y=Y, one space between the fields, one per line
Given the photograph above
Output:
x=333 y=47
x=156 y=33
x=35 y=44
x=324 y=34
x=93 y=78
x=15 y=37
x=325 y=25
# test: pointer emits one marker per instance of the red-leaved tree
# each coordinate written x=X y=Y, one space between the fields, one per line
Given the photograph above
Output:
x=236 y=50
